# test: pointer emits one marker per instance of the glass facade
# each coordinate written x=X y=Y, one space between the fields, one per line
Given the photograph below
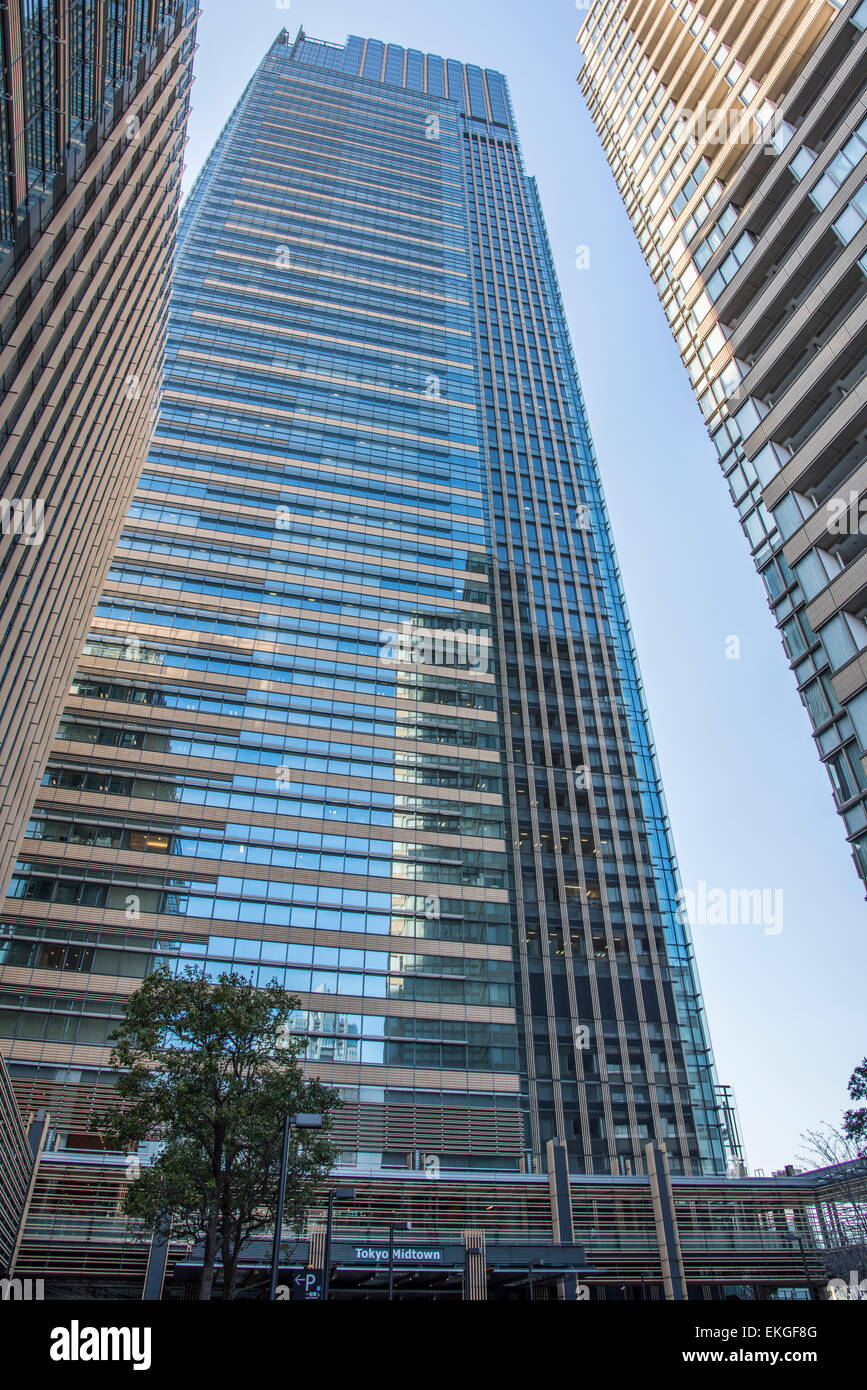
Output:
x=63 y=66
x=93 y=113
x=742 y=166
x=360 y=707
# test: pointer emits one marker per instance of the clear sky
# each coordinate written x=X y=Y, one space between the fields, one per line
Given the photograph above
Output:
x=750 y=804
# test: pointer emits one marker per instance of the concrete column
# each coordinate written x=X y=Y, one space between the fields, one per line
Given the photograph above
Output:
x=562 y=1225
x=668 y=1239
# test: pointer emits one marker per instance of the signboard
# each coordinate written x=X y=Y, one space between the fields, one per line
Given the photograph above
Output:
x=307 y=1284
x=402 y=1255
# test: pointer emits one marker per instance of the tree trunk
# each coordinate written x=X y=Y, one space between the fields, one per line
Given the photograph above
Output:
x=230 y=1262
x=233 y=1239
x=206 y=1281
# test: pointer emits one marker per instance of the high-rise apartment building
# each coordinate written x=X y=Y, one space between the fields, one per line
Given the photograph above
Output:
x=360 y=708
x=738 y=138
x=92 y=128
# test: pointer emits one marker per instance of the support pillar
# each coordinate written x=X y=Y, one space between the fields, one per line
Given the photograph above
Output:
x=562 y=1225
x=667 y=1236
x=475 y=1265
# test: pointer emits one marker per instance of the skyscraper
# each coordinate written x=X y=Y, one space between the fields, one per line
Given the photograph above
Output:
x=360 y=706
x=92 y=129
x=738 y=138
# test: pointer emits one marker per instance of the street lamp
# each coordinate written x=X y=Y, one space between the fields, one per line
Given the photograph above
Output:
x=301 y=1121
x=340 y=1194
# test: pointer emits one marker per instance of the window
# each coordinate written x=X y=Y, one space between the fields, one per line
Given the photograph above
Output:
x=817 y=705
x=846 y=773
x=811 y=575
x=794 y=639
x=843 y=637
x=803 y=161
x=851 y=220
x=730 y=266
x=857 y=712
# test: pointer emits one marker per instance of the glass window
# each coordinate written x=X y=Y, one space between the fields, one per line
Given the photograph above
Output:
x=794 y=639
x=811 y=575
x=803 y=161
x=849 y=224
x=838 y=642
x=814 y=699
x=823 y=191
x=857 y=711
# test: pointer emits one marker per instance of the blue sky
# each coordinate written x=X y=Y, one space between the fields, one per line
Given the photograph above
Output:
x=750 y=804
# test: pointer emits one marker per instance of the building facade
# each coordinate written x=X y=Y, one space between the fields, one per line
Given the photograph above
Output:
x=92 y=129
x=756 y=1238
x=737 y=135
x=359 y=709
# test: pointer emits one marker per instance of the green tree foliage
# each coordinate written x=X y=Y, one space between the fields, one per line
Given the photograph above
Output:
x=855 y=1121
x=209 y=1070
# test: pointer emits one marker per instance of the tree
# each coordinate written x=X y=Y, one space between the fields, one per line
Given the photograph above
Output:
x=841 y=1146
x=209 y=1071
x=829 y=1144
x=855 y=1121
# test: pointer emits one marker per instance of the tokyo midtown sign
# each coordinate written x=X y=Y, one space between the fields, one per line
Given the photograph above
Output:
x=403 y=1254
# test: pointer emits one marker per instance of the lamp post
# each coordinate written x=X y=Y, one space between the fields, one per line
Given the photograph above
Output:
x=340 y=1194
x=301 y=1121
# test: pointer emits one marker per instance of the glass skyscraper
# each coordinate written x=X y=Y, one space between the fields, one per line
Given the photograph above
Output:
x=360 y=706
x=94 y=101
x=738 y=141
